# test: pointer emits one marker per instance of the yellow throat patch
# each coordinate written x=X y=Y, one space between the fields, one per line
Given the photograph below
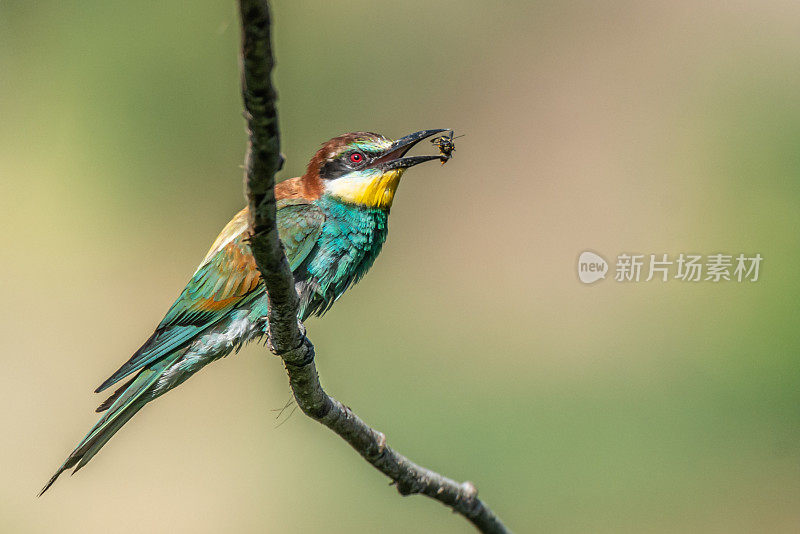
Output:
x=371 y=191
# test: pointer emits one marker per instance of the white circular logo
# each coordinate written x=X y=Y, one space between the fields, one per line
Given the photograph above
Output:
x=591 y=267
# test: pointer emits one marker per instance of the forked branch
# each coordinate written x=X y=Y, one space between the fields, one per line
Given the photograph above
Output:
x=287 y=336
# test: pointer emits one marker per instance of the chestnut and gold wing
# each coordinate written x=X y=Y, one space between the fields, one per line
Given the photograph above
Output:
x=227 y=276
x=226 y=279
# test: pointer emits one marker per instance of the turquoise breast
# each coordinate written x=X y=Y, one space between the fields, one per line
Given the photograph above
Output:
x=351 y=239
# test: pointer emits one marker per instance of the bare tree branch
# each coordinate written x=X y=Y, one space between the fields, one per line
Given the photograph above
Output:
x=287 y=338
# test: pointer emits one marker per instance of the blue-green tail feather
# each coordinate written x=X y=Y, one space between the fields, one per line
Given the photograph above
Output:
x=122 y=405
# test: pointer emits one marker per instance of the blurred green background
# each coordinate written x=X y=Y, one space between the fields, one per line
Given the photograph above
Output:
x=650 y=127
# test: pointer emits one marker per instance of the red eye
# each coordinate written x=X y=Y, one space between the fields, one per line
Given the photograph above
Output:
x=356 y=157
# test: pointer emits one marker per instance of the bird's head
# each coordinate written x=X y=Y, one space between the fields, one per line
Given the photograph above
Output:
x=364 y=168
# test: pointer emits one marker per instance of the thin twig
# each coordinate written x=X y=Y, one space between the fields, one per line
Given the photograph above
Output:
x=286 y=336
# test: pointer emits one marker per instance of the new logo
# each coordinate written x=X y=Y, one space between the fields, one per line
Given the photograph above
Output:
x=591 y=267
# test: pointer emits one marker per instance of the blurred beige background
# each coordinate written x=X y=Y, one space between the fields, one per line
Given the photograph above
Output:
x=650 y=127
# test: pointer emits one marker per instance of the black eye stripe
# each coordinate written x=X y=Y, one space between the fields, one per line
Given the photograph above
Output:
x=334 y=169
x=343 y=164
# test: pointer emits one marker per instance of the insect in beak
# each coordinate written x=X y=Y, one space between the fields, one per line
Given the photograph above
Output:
x=446 y=146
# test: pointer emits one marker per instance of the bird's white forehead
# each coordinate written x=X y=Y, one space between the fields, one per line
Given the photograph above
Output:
x=366 y=144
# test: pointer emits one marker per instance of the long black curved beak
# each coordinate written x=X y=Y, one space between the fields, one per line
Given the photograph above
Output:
x=393 y=157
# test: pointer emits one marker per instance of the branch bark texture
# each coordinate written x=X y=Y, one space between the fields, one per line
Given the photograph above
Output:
x=287 y=336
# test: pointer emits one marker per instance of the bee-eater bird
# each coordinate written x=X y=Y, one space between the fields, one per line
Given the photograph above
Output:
x=332 y=222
